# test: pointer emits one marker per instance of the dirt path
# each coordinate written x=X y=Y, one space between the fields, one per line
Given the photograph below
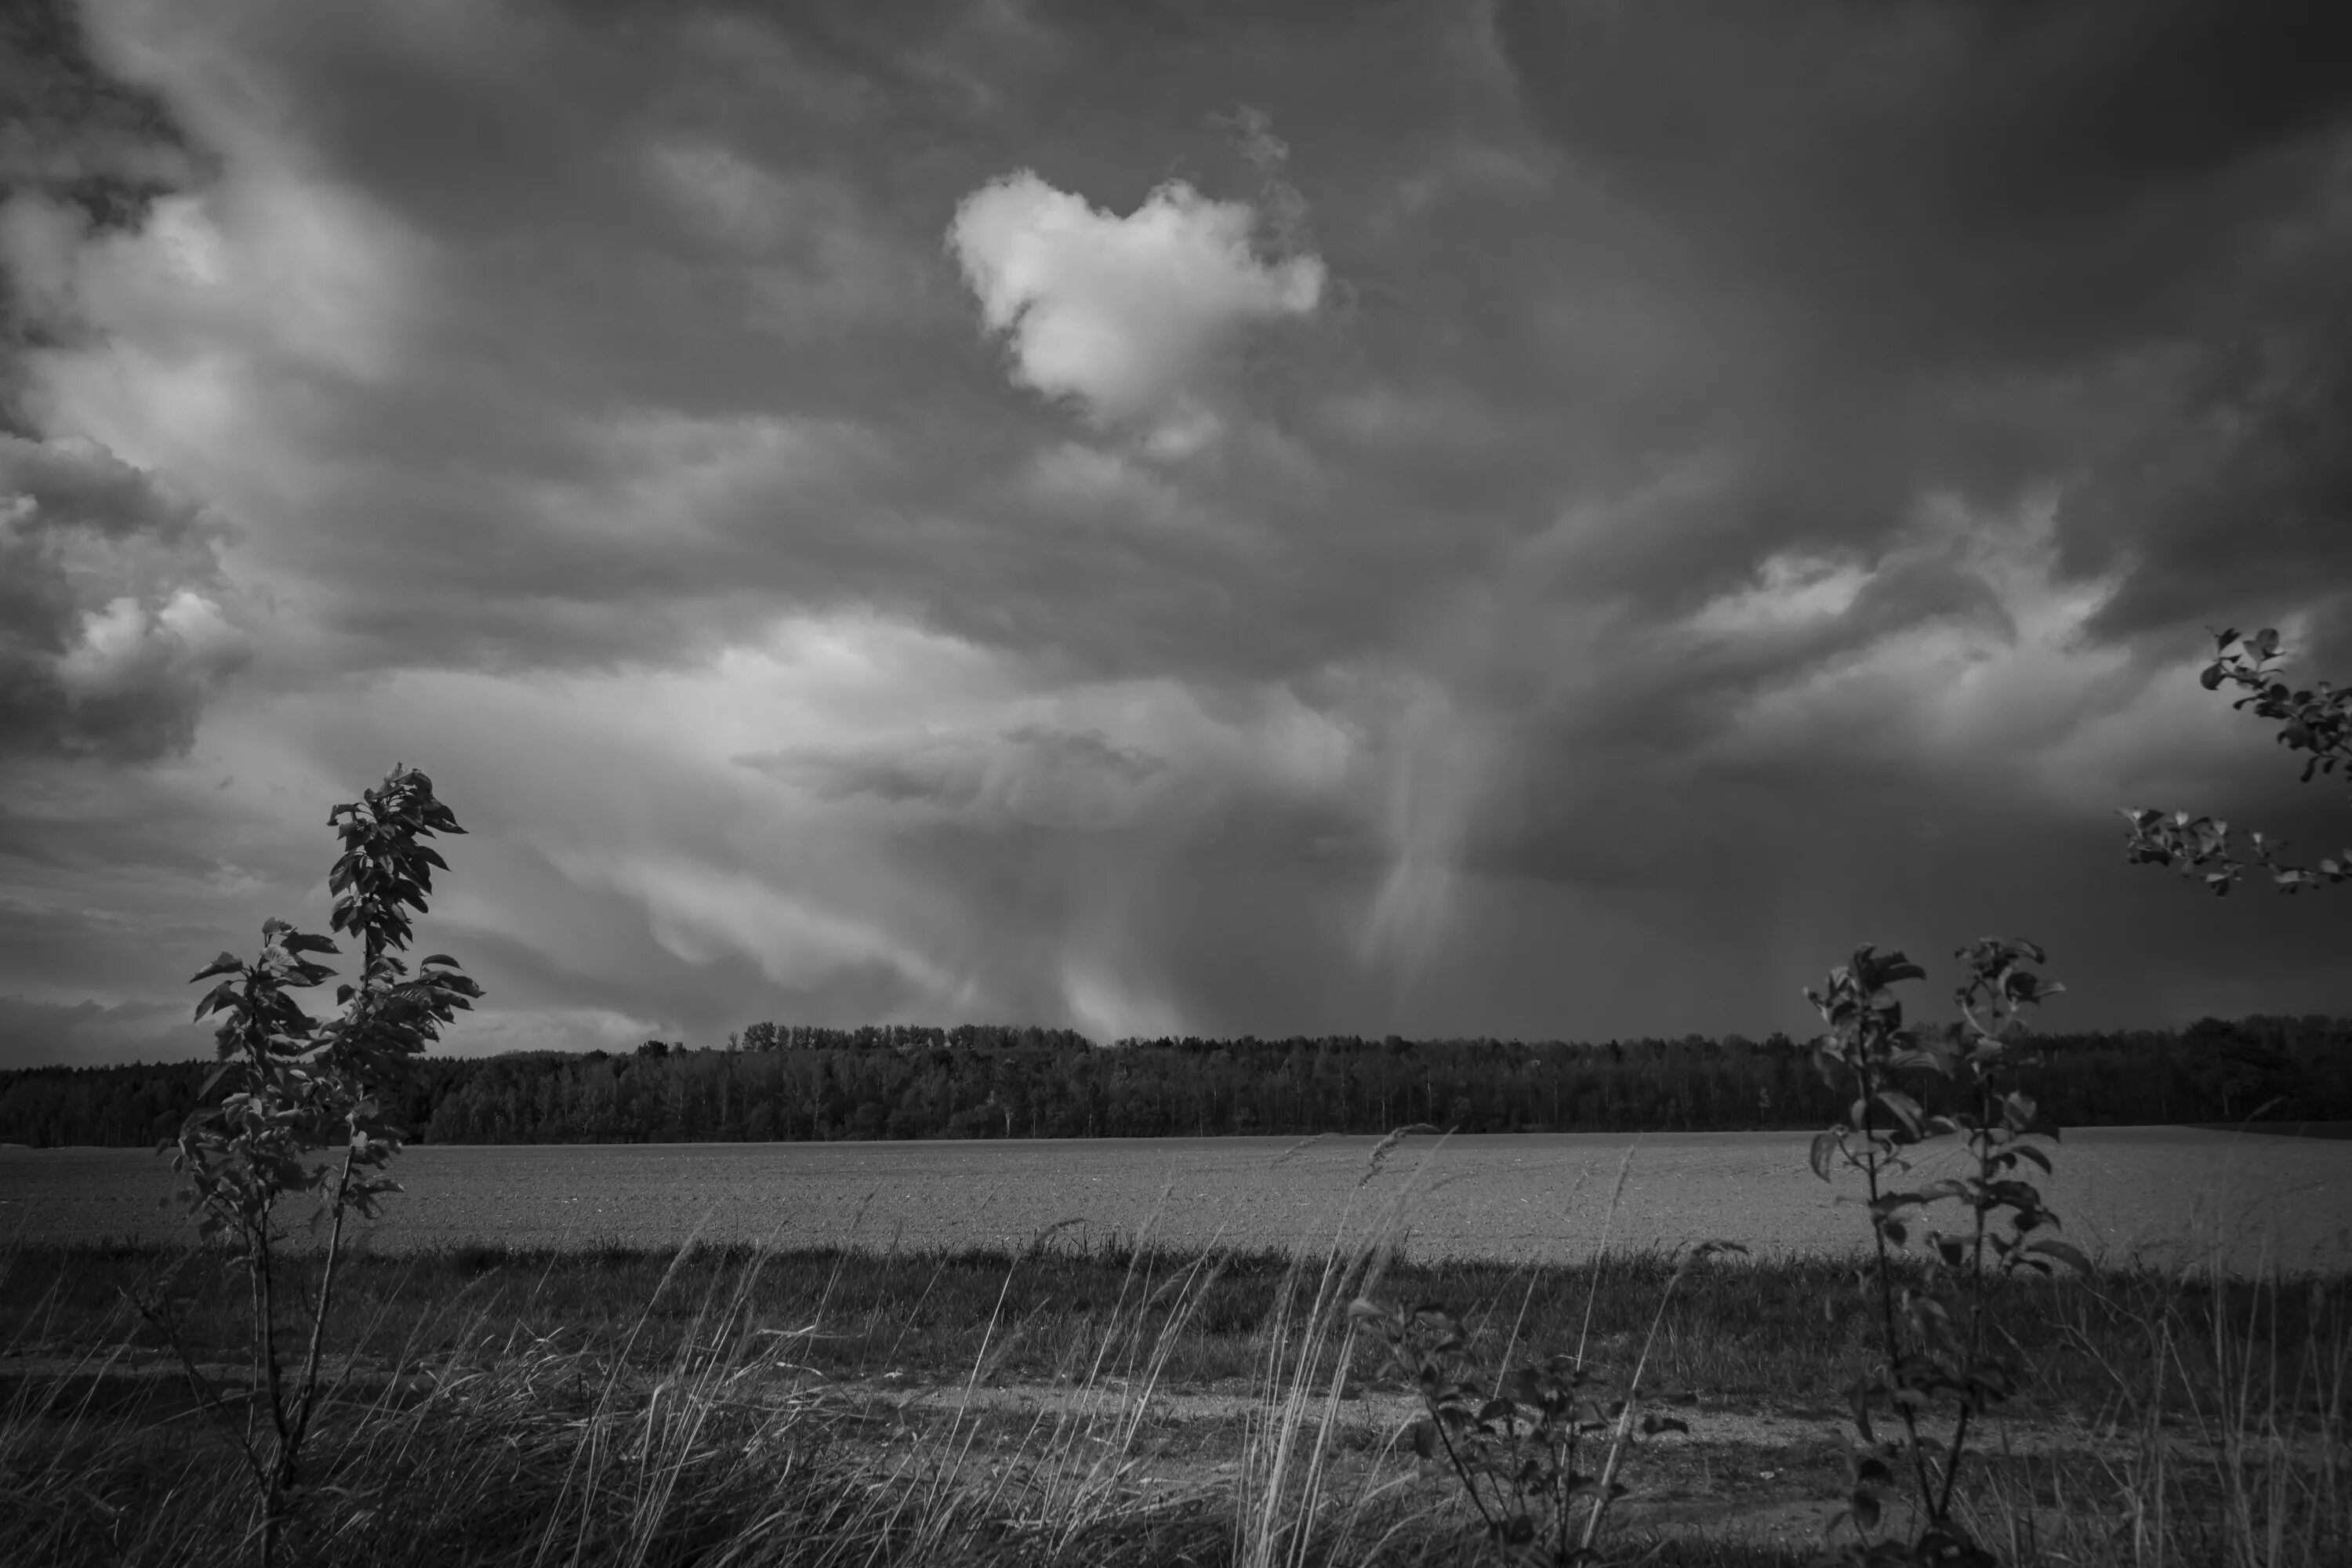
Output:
x=1759 y=1476
x=1384 y=1413
x=1752 y=1474
x=1367 y=1415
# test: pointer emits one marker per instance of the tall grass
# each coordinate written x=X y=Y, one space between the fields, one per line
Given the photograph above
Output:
x=1284 y=1503
x=735 y=1413
x=521 y=1450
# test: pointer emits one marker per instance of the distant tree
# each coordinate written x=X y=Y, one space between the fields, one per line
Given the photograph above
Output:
x=2316 y=719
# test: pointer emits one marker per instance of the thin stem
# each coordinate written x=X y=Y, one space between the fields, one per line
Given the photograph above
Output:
x=1981 y=1139
x=308 y=1399
x=1563 y=1503
x=1887 y=1281
x=261 y=1265
x=1625 y=1417
x=1468 y=1484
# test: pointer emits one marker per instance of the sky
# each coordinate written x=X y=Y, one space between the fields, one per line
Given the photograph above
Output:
x=1553 y=521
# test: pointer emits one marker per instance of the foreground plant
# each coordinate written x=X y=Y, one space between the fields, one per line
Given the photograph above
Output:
x=1534 y=1447
x=1934 y=1343
x=310 y=1107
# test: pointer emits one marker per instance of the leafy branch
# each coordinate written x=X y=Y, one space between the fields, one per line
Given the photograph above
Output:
x=2316 y=719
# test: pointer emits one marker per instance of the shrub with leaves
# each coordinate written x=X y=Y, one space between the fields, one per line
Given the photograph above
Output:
x=1531 y=1448
x=311 y=1108
x=2316 y=719
x=1934 y=1345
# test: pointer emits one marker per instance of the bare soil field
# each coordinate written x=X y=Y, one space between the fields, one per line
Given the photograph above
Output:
x=2160 y=1196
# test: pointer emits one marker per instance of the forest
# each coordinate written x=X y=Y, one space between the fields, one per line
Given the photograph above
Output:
x=803 y=1084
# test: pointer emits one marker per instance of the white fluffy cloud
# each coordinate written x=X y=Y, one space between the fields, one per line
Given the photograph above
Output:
x=1125 y=314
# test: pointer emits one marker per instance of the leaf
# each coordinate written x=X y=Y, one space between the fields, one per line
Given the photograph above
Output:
x=1824 y=1145
x=1905 y=1109
x=2065 y=1252
x=218 y=998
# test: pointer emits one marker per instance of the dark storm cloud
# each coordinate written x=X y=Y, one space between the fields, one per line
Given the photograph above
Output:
x=74 y=129
x=739 y=246
x=2241 y=495
x=1945 y=209
x=707 y=247
x=1229 y=517
x=109 y=633
x=75 y=135
x=1953 y=182
x=1887 y=234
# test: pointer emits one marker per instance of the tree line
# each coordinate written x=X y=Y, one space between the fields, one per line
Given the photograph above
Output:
x=800 y=1084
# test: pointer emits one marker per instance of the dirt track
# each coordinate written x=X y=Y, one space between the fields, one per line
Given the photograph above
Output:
x=1745 y=1474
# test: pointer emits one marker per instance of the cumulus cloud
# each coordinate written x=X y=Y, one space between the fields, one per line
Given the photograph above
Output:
x=113 y=631
x=1126 y=315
